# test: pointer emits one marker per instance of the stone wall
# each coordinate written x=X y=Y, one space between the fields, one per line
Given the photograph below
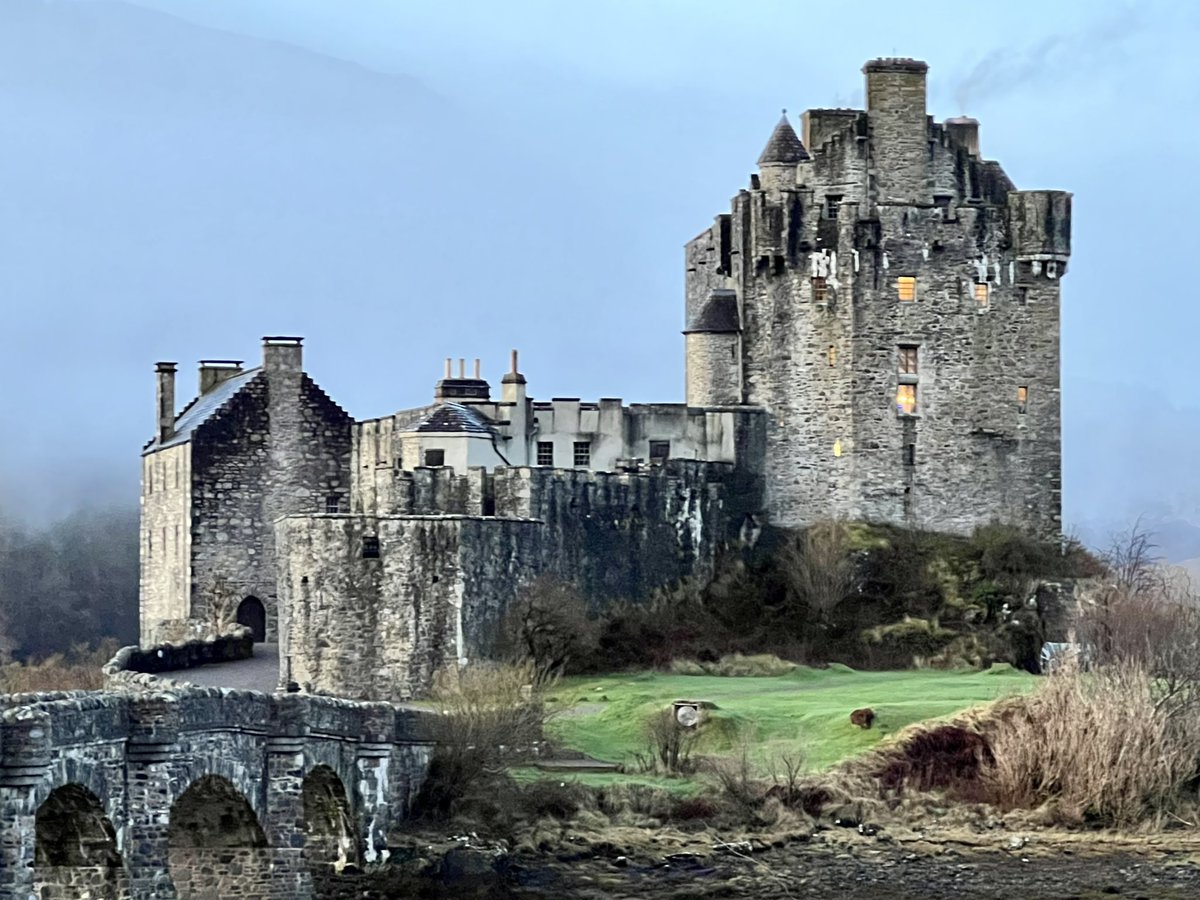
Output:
x=153 y=783
x=256 y=459
x=374 y=605
x=166 y=538
x=170 y=657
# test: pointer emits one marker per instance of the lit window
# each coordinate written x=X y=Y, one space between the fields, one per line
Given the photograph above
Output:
x=820 y=290
x=333 y=505
x=906 y=399
x=1022 y=399
x=981 y=294
x=435 y=457
x=660 y=451
x=906 y=288
x=545 y=453
x=583 y=453
x=831 y=205
x=370 y=547
x=832 y=354
x=908 y=360
x=906 y=379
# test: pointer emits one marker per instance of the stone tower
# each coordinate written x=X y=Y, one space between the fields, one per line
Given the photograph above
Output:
x=892 y=302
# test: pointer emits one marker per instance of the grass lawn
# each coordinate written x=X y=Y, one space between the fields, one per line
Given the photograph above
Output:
x=807 y=709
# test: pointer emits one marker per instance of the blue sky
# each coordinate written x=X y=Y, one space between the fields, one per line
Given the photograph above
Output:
x=404 y=181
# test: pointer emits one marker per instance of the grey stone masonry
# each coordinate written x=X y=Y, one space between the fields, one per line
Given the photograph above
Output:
x=193 y=794
x=258 y=445
x=898 y=320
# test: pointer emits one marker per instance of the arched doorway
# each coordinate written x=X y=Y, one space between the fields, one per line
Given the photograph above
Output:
x=330 y=838
x=75 y=850
x=253 y=615
x=216 y=847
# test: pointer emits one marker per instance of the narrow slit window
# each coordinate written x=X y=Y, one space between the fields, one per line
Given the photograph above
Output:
x=545 y=453
x=906 y=288
x=820 y=290
x=1022 y=296
x=583 y=453
x=370 y=546
x=832 y=353
x=1022 y=399
x=906 y=399
x=910 y=454
x=981 y=294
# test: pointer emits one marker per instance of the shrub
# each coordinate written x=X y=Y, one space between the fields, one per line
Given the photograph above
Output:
x=483 y=712
x=547 y=627
x=671 y=745
x=735 y=665
x=817 y=568
x=945 y=756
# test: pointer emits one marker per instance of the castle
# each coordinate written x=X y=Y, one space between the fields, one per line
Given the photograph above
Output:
x=872 y=332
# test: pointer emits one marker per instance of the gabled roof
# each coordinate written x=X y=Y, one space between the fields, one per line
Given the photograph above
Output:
x=784 y=146
x=203 y=408
x=451 y=418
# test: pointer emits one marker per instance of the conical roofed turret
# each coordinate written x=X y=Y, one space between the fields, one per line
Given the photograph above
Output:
x=784 y=147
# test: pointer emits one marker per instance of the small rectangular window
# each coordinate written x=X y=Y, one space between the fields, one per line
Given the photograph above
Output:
x=333 y=505
x=545 y=453
x=1023 y=296
x=906 y=288
x=832 y=354
x=583 y=453
x=370 y=547
x=908 y=360
x=660 y=451
x=832 y=201
x=820 y=290
x=435 y=457
x=981 y=294
x=1022 y=399
x=906 y=399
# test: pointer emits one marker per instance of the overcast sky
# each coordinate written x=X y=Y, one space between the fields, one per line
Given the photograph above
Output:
x=404 y=181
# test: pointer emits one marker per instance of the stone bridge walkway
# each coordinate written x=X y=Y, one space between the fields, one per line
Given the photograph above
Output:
x=259 y=673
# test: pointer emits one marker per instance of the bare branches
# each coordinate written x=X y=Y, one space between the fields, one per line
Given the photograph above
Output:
x=818 y=568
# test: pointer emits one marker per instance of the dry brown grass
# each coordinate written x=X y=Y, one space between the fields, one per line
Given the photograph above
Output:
x=1097 y=747
x=78 y=670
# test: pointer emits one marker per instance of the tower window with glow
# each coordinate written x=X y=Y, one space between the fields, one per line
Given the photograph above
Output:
x=906 y=288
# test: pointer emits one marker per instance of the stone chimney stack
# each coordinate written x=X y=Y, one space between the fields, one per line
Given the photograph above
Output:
x=899 y=130
x=965 y=131
x=215 y=371
x=520 y=416
x=166 y=399
x=283 y=355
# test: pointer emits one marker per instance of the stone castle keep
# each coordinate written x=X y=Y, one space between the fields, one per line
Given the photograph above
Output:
x=871 y=332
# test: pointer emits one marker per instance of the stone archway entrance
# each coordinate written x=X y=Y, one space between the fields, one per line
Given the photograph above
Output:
x=75 y=853
x=253 y=615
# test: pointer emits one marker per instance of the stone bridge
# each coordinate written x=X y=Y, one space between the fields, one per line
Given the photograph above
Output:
x=197 y=793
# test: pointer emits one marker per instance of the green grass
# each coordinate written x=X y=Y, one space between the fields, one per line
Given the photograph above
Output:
x=808 y=708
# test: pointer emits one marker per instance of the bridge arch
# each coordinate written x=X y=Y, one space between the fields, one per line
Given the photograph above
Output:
x=216 y=846
x=75 y=847
x=331 y=836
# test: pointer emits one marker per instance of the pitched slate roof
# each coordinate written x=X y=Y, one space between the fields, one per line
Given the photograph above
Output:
x=454 y=418
x=784 y=146
x=203 y=408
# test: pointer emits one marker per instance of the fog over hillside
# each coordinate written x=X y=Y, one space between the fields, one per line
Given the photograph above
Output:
x=400 y=184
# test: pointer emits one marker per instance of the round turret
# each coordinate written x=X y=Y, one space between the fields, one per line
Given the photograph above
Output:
x=713 y=338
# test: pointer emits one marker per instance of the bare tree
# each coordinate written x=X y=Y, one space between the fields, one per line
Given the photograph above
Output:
x=818 y=568
x=547 y=626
